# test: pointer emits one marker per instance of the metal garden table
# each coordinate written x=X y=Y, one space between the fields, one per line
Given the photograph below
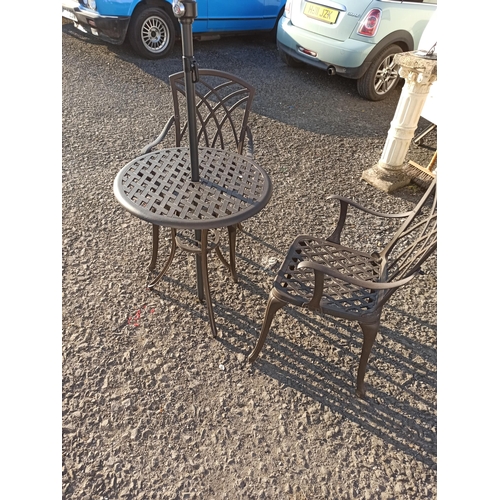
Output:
x=158 y=188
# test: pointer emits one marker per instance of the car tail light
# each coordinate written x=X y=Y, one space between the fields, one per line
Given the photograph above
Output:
x=370 y=23
x=307 y=51
x=288 y=9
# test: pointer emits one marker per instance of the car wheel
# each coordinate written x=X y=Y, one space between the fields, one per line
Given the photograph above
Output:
x=289 y=60
x=151 y=33
x=382 y=75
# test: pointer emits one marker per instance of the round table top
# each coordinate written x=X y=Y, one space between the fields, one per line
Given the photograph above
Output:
x=157 y=188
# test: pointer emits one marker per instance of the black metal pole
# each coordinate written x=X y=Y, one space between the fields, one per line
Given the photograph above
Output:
x=186 y=11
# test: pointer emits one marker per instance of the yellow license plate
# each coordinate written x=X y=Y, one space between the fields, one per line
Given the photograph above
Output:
x=321 y=13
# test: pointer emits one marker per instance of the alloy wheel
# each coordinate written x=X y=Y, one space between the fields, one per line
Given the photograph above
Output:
x=387 y=75
x=155 y=34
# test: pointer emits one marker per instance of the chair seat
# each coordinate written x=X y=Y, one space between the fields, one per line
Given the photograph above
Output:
x=341 y=298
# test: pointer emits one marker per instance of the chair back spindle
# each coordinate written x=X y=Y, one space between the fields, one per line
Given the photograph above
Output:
x=223 y=104
x=414 y=241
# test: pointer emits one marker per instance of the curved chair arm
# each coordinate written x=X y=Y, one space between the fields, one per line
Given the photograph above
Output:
x=319 y=277
x=344 y=205
x=374 y=285
x=163 y=133
x=370 y=211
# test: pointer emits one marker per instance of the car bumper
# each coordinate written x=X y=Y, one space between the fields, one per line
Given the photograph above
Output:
x=111 y=29
x=348 y=58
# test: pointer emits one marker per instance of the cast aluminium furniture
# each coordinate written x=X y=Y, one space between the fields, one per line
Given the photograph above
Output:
x=157 y=188
x=223 y=102
x=325 y=276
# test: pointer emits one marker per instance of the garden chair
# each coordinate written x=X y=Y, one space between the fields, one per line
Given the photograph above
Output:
x=223 y=103
x=325 y=276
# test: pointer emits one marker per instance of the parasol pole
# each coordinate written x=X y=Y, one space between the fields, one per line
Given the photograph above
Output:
x=186 y=11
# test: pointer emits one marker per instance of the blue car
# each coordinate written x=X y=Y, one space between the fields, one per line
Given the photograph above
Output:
x=152 y=28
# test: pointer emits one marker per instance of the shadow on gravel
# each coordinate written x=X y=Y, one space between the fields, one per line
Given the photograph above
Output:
x=400 y=413
x=318 y=356
x=320 y=379
x=386 y=412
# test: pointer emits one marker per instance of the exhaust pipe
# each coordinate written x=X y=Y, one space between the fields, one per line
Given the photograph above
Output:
x=331 y=70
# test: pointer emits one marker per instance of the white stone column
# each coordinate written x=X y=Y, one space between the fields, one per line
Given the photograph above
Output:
x=419 y=71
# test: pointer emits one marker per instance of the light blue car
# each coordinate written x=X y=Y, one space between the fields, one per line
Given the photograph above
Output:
x=152 y=28
x=353 y=38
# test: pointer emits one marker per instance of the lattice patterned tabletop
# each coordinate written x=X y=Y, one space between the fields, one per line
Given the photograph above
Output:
x=157 y=188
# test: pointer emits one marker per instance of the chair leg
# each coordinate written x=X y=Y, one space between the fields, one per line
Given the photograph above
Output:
x=231 y=265
x=156 y=232
x=369 y=334
x=169 y=260
x=273 y=306
x=206 y=285
x=232 y=252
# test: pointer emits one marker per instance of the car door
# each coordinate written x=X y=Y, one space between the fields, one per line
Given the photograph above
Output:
x=241 y=15
x=200 y=23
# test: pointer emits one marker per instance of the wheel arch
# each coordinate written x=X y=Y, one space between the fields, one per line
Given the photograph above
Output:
x=162 y=4
x=401 y=37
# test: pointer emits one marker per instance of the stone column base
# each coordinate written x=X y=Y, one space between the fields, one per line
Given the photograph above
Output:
x=385 y=180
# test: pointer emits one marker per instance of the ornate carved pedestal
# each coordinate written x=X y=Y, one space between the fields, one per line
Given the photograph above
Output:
x=419 y=71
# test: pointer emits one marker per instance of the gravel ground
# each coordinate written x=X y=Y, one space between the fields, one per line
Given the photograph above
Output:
x=153 y=406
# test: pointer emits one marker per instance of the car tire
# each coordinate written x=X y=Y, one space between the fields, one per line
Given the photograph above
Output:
x=151 y=32
x=289 y=60
x=382 y=76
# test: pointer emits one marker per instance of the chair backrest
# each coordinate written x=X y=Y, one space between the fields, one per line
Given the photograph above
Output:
x=415 y=240
x=223 y=103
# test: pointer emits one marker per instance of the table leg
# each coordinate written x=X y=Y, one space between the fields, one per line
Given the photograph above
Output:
x=199 y=267
x=204 y=269
x=231 y=265
x=156 y=231
x=169 y=260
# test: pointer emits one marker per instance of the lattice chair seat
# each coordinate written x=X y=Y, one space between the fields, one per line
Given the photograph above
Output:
x=296 y=285
x=326 y=276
